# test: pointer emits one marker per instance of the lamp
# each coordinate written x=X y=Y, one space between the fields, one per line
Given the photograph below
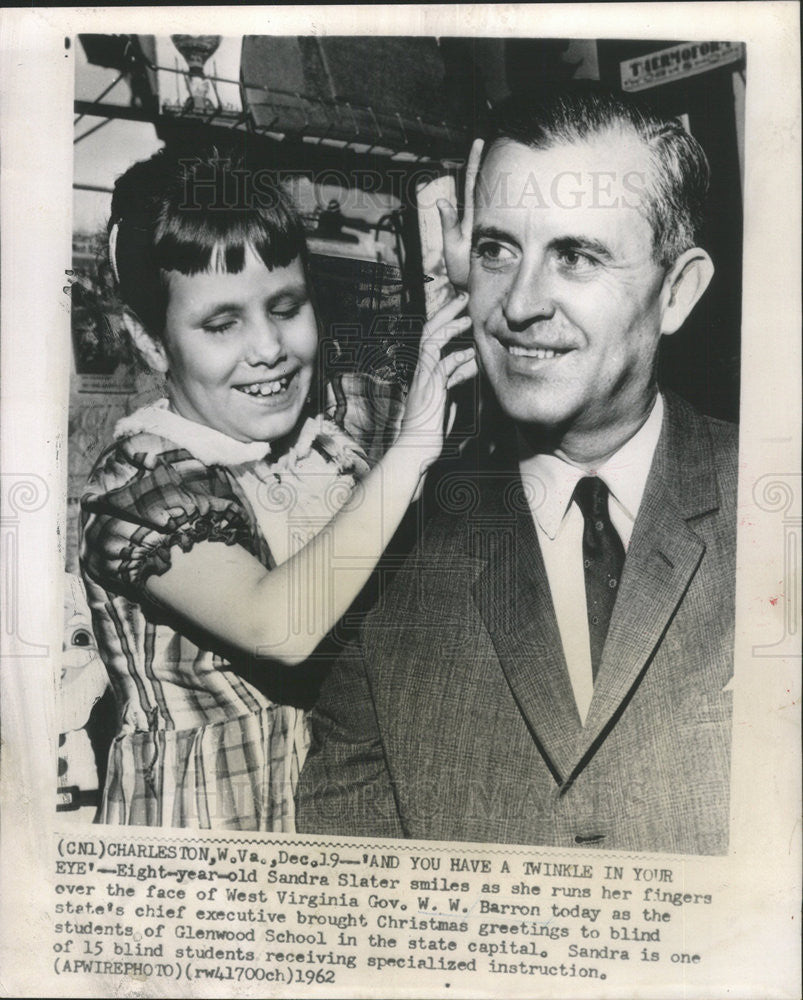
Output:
x=196 y=50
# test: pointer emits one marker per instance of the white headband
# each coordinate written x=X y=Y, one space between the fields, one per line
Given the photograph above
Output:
x=113 y=250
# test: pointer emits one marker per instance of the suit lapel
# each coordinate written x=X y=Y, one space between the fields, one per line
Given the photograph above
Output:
x=662 y=558
x=513 y=598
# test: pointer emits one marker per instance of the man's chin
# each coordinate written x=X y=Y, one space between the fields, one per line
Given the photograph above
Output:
x=527 y=411
x=539 y=421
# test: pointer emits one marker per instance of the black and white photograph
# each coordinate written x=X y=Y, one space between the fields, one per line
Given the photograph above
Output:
x=425 y=500
x=565 y=681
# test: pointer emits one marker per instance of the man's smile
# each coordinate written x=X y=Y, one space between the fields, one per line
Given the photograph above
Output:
x=518 y=347
x=541 y=353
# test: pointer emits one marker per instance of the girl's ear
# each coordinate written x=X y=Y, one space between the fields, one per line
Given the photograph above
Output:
x=151 y=350
x=683 y=287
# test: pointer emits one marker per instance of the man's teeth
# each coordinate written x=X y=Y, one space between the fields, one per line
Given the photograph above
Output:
x=542 y=353
x=265 y=388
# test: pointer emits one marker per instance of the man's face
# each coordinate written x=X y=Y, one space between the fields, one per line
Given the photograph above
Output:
x=564 y=290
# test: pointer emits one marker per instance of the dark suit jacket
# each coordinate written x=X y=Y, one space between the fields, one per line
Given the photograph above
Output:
x=453 y=718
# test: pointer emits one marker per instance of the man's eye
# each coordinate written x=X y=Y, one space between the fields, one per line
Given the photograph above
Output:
x=574 y=260
x=493 y=254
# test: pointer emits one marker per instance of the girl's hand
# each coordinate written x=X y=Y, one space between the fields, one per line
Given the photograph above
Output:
x=227 y=592
x=457 y=233
x=424 y=416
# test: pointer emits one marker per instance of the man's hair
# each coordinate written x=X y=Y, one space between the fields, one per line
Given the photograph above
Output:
x=193 y=214
x=676 y=189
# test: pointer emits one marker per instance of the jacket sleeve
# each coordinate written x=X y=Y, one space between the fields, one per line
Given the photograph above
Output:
x=346 y=787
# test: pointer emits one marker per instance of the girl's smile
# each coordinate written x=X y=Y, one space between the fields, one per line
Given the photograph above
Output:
x=240 y=349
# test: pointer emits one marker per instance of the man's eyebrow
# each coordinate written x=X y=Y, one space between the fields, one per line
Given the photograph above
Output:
x=583 y=243
x=491 y=233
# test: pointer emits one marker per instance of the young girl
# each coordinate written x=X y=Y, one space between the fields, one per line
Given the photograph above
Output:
x=230 y=526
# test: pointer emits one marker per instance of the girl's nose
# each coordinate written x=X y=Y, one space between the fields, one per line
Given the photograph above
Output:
x=265 y=345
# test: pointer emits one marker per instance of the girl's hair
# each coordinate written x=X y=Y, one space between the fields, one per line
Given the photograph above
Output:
x=195 y=214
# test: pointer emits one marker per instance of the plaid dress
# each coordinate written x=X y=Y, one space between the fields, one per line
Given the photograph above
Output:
x=199 y=744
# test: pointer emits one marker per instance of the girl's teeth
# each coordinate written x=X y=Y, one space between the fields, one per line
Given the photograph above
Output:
x=533 y=352
x=265 y=388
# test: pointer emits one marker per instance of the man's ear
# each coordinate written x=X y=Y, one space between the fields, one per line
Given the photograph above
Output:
x=151 y=350
x=683 y=287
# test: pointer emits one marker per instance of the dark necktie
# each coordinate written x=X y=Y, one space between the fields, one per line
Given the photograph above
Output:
x=603 y=559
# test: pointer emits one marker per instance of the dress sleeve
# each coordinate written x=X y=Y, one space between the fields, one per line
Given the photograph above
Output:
x=139 y=504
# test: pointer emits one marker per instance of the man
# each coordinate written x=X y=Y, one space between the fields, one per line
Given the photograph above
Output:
x=551 y=666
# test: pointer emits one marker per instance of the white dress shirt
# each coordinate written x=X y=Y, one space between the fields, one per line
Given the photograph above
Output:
x=549 y=481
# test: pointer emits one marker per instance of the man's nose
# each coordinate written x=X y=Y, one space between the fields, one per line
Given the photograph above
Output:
x=264 y=345
x=529 y=297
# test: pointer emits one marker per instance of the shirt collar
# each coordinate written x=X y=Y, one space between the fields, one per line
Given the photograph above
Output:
x=549 y=479
x=625 y=472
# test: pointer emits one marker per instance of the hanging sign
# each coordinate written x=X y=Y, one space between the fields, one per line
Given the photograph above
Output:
x=677 y=62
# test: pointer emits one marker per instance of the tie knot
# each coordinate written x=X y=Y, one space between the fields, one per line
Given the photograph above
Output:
x=591 y=496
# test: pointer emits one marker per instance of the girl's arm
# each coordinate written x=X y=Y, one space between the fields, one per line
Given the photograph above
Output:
x=285 y=612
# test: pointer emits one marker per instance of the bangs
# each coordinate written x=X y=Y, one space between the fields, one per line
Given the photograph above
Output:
x=197 y=215
x=194 y=242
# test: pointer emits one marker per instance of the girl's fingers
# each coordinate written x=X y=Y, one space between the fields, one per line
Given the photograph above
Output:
x=465 y=371
x=450 y=419
x=452 y=362
x=456 y=231
x=472 y=169
x=436 y=340
x=450 y=220
x=444 y=315
x=444 y=326
x=453 y=329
